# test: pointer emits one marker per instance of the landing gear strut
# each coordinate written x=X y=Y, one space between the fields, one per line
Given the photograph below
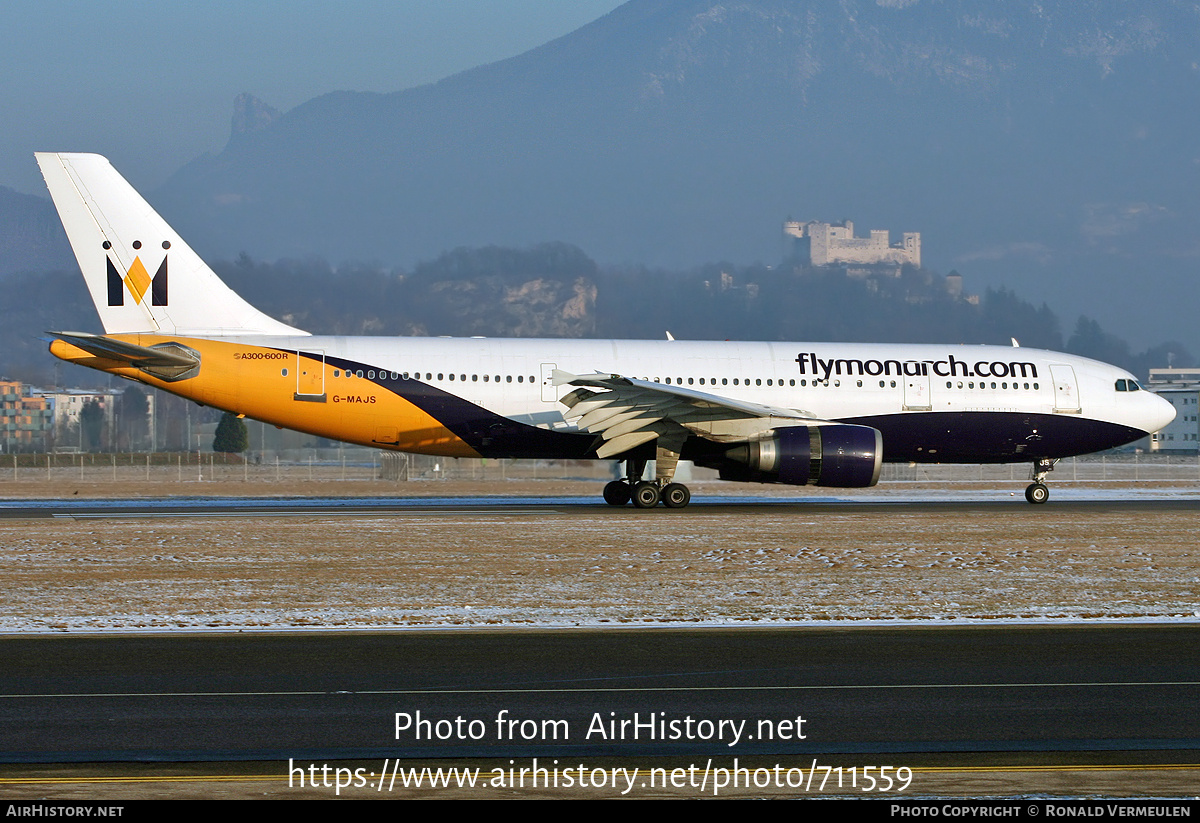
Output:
x=1037 y=492
x=646 y=494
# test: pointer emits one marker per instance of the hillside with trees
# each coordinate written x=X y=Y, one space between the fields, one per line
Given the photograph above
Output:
x=555 y=290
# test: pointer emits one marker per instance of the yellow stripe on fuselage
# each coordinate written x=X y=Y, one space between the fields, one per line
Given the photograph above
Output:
x=262 y=384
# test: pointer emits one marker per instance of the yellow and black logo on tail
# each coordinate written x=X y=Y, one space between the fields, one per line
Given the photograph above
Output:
x=139 y=282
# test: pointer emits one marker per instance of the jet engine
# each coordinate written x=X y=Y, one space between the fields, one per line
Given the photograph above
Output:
x=837 y=454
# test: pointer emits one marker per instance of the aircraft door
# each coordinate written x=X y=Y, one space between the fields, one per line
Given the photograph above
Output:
x=1066 y=390
x=549 y=390
x=310 y=376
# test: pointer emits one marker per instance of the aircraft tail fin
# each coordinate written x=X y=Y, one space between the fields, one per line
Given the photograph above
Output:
x=141 y=275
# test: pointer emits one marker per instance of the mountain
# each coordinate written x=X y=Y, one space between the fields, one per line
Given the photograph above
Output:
x=31 y=235
x=1046 y=146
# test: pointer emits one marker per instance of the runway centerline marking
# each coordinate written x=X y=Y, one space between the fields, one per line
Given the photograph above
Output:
x=389 y=513
x=636 y=773
x=618 y=689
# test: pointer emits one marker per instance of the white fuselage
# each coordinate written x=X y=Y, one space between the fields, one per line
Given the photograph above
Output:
x=833 y=381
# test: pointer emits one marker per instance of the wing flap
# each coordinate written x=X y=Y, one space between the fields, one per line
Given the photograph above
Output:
x=625 y=442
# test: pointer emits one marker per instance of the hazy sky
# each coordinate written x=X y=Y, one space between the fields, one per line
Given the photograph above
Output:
x=151 y=84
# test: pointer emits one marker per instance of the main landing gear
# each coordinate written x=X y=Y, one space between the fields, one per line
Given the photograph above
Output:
x=1037 y=492
x=646 y=494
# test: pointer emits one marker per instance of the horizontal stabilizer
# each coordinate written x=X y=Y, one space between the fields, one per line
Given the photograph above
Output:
x=120 y=351
x=167 y=361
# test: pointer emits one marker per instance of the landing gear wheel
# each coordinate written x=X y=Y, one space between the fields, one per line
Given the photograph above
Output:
x=645 y=495
x=1037 y=493
x=676 y=496
x=617 y=493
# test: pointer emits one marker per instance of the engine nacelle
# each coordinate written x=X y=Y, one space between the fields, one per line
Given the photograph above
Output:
x=833 y=455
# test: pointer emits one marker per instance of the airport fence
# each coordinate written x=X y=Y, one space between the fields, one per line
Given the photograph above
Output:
x=1096 y=468
x=287 y=466
x=372 y=466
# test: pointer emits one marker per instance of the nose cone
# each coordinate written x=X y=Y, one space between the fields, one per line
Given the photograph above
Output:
x=1158 y=412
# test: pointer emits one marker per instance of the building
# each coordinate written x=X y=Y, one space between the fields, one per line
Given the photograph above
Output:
x=110 y=427
x=824 y=244
x=1181 y=388
x=73 y=431
x=26 y=419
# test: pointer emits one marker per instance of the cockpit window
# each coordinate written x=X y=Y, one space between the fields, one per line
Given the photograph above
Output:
x=1121 y=385
x=1128 y=385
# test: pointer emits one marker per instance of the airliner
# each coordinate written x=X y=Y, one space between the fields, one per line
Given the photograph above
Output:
x=824 y=414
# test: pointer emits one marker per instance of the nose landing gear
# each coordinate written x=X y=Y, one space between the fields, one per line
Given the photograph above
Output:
x=1037 y=491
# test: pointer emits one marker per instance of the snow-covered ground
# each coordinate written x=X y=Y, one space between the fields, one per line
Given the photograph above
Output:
x=566 y=564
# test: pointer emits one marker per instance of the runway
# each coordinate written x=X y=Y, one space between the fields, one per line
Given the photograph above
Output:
x=539 y=635
x=326 y=507
x=504 y=693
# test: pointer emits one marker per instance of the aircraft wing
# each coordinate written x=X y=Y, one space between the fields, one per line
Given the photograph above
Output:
x=628 y=412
